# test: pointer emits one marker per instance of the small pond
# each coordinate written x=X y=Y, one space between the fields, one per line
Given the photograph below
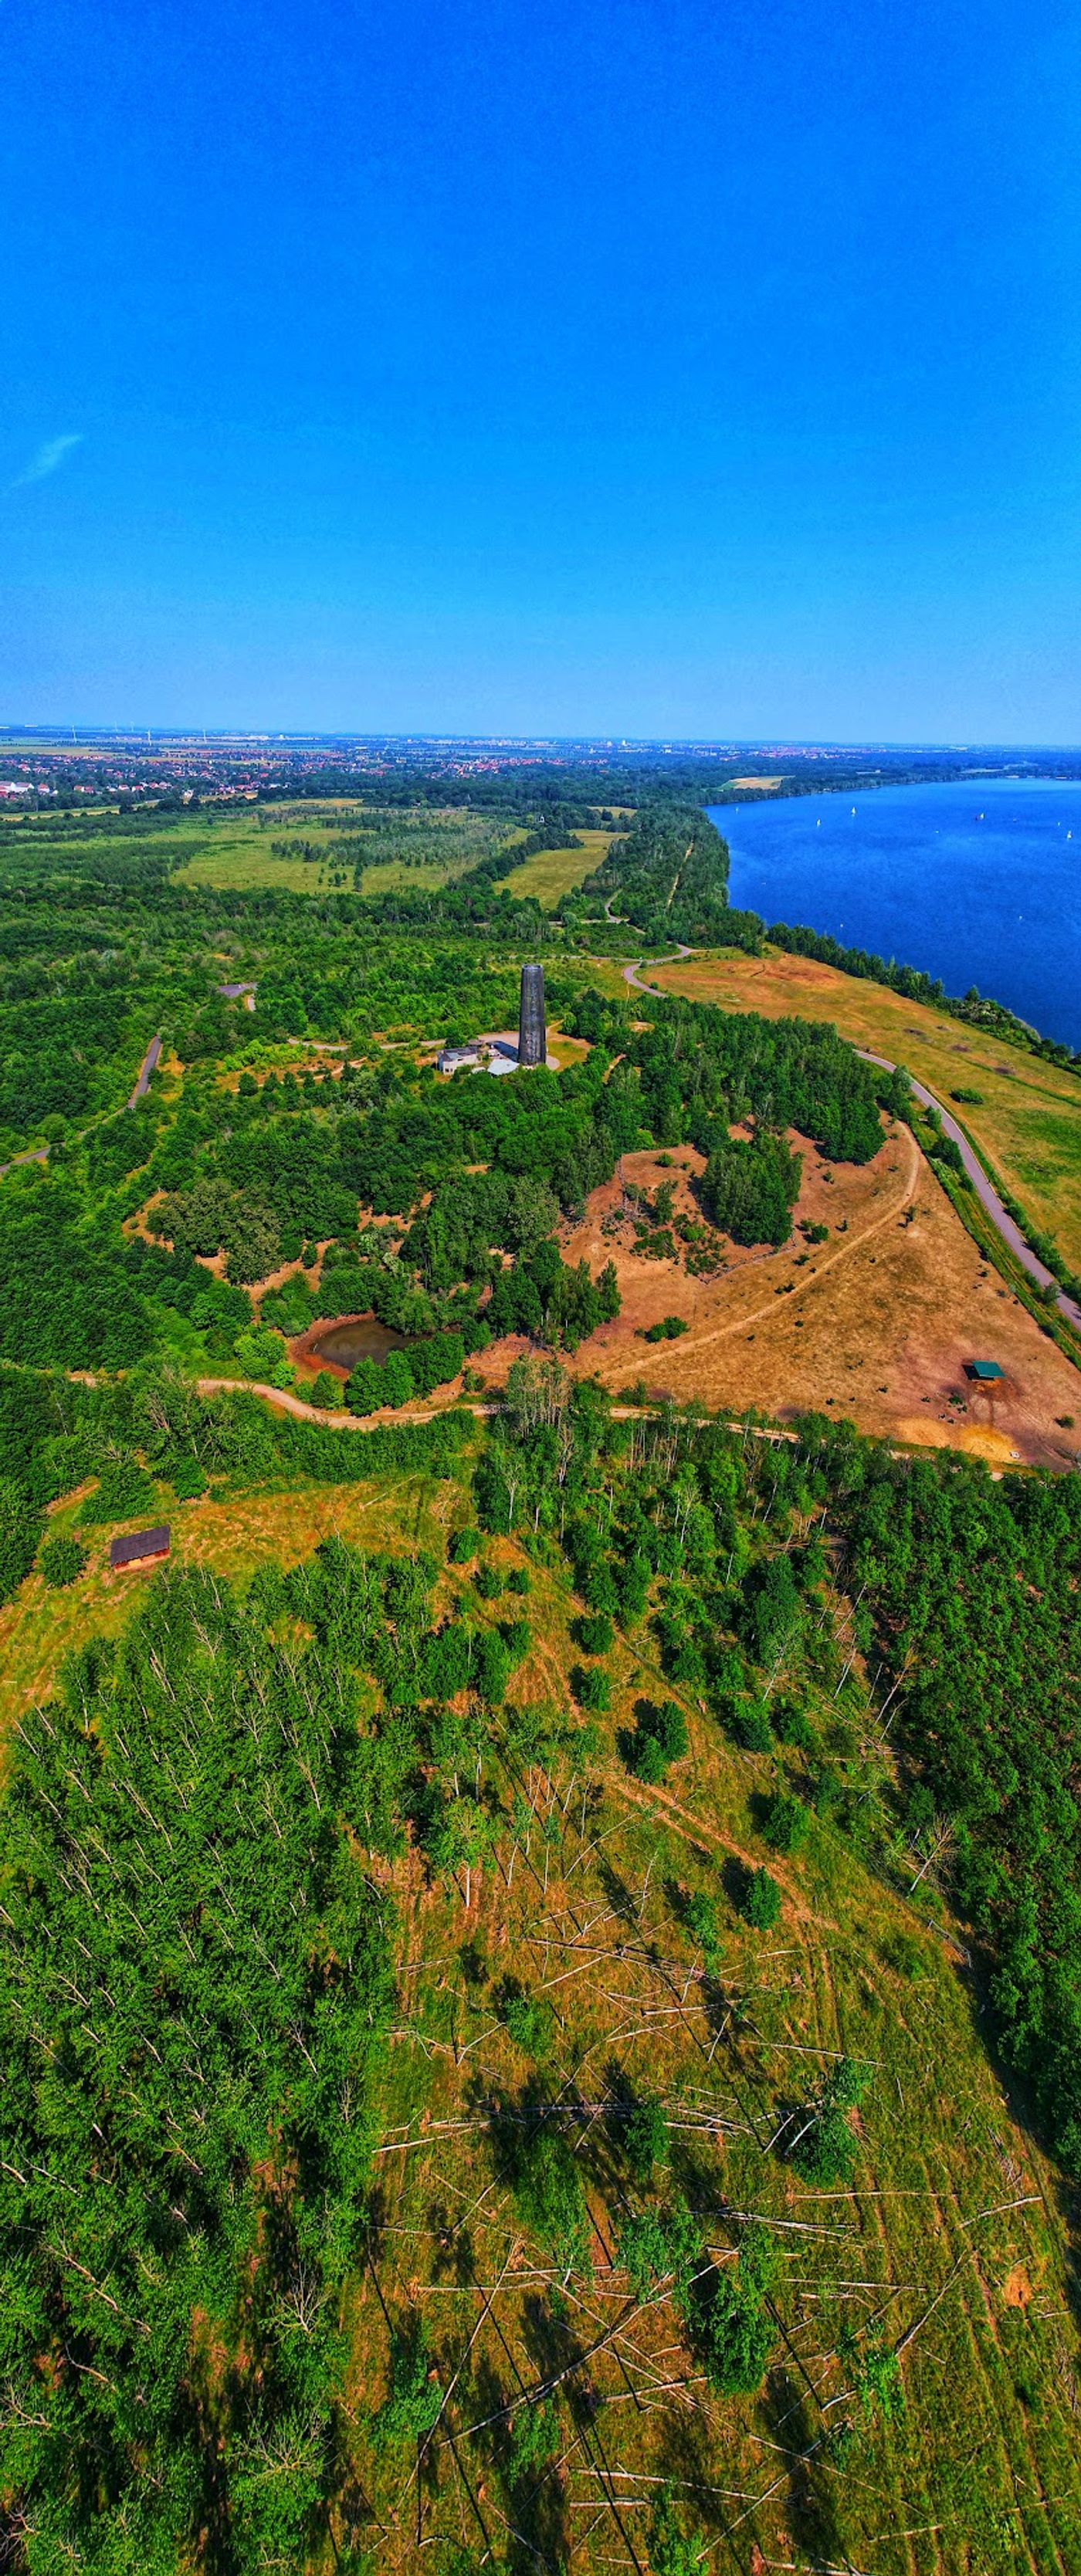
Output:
x=360 y=1337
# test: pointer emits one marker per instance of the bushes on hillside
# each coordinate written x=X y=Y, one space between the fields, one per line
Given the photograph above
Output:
x=61 y=1562
x=405 y=1374
x=750 y=1186
x=658 y=1740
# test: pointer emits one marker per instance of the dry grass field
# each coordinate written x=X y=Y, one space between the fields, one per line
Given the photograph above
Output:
x=1029 y=1120
x=951 y=2236
x=874 y=1325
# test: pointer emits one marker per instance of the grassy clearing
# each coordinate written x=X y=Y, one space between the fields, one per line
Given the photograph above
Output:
x=1029 y=1120
x=237 y=858
x=552 y=873
x=405 y=849
x=231 y=1535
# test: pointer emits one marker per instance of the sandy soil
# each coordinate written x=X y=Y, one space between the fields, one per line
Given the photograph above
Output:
x=876 y=1324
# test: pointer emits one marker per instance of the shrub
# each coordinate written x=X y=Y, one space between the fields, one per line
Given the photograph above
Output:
x=531 y=2023
x=749 y=1723
x=737 y=2339
x=760 y=1901
x=550 y=2194
x=187 y=1479
x=594 y=1633
x=534 y=2439
x=645 y=2137
x=736 y=2330
x=415 y=2396
x=399 y=1387
x=61 y=1562
x=262 y=1355
x=784 y=1821
x=825 y=2154
x=673 y=2551
x=492 y=1666
x=463 y=1546
x=791 y=1724
x=668 y=1330
x=364 y=1390
x=326 y=1391
x=660 y=1738
x=659 y=2244
x=489 y=1582
x=593 y=1689
x=702 y=1922
x=520 y=1581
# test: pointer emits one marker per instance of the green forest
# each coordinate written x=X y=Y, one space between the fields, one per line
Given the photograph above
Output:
x=540 y=1973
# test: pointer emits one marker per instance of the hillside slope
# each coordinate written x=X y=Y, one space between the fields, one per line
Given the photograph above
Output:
x=489 y=2066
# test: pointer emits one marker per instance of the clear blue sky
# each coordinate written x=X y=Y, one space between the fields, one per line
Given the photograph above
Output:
x=673 y=368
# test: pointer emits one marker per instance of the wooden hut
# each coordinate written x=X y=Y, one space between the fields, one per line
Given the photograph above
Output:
x=142 y=1547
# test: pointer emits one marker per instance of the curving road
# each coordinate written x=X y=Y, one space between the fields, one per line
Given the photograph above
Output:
x=985 y=1190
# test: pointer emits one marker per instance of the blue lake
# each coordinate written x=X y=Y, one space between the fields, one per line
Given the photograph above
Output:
x=977 y=881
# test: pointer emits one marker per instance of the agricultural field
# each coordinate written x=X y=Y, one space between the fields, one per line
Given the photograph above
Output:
x=1028 y=1121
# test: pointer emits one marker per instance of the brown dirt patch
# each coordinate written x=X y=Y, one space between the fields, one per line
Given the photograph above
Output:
x=1017 y=2288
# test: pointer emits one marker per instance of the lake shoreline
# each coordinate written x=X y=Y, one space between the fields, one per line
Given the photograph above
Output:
x=979 y=878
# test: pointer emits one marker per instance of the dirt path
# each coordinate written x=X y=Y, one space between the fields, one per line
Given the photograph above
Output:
x=40 y=1153
x=295 y=1404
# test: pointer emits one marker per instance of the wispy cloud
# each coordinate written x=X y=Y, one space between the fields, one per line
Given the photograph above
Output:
x=49 y=455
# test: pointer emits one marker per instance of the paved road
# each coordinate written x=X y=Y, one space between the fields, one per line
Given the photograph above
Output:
x=985 y=1190
x=145 y=1070
x=39 y=1154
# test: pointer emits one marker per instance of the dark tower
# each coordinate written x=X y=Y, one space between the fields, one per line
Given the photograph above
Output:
x=532 y=1034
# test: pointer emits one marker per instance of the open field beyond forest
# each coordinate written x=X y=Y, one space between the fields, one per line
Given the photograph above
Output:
x=550 y=874
x=405 y=849
x=875 y=1324
x=547 y=1989
x=1029 y=1120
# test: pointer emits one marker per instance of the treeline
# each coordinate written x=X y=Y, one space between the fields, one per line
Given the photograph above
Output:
x=972 y=1590
x=669 y=874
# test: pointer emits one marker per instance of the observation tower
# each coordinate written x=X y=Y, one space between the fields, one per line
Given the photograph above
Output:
x=532 y=1033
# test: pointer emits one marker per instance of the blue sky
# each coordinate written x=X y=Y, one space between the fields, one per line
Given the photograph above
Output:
x=648 y=369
